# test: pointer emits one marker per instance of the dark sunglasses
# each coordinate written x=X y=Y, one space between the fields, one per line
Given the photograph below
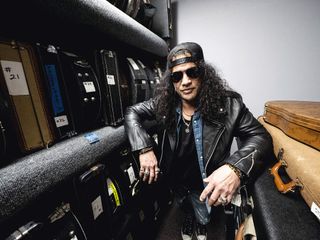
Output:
x=193 y=72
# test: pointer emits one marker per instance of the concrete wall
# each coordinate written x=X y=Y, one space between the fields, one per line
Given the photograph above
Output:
x=265 y=49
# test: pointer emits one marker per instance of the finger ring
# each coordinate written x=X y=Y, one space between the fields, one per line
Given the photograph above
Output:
x=222 y=200
x=157 y=170
x=146 y=173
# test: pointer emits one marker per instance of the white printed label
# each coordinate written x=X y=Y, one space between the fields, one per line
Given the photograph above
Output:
x=236 y=200
x=133 y=64
x=96 y=207
x=15 y=78
x=110 y=54
x=144 y=82
x=316 y=210
x=110 y=80
x=89 y=87
x=74 y=237
x=131 y=174
x=61 y=121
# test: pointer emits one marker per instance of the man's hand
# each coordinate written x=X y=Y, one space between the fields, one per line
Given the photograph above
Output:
x=222 y=184
x=149 y=170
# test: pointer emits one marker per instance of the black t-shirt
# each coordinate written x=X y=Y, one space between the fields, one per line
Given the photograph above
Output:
x=186 y=171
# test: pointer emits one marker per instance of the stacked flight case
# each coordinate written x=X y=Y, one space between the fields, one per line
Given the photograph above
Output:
x=60 y=223
x=106 y=62
x=137 y=80
x=153 y=77
x=124 y=186
x=9 y=147
x=21 y=85
x=56 y=90
x=83 y=89
x=93 y=203
x=137 y=206
x=73 y=89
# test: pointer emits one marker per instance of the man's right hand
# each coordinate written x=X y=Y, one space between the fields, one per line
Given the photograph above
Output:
x=149 y=170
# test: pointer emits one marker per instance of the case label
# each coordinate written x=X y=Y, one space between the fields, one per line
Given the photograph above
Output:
x=113 y=191
x=110 y=54
x=61 y=121
x=15 y=78
x=131 y=175
x=110 y=80
x=89 y=87
x=97 y=208
x=92 y=137
x=236 y=200
x=56 y=99
x=316 y=210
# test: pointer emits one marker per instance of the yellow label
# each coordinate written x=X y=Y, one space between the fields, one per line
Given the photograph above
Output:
x=113 y=190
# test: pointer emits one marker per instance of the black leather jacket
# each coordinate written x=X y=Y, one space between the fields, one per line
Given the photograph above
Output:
x=254 y=142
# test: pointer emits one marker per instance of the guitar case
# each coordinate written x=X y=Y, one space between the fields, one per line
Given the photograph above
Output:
x=298 y=119
x=301 y=163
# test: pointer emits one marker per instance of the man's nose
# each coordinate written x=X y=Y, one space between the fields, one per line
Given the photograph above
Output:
x=185 y=79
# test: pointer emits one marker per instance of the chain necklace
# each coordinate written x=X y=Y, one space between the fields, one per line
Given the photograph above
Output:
x=187 y=130
x=188 y=115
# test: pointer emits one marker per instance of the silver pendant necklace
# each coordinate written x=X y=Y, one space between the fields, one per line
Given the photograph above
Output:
x=187 y=130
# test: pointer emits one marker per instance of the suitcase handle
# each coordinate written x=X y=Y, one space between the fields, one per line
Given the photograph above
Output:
x=281 y=186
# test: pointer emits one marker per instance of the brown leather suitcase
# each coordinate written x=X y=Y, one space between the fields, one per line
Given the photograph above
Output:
x=301 y=163
x=20 y=81
x=298 y=119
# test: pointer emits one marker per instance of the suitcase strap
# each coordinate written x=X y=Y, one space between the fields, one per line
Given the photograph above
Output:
x=282 y=187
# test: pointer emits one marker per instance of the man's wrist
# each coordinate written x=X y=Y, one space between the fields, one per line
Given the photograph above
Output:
x=145 y=150
x=236 y=170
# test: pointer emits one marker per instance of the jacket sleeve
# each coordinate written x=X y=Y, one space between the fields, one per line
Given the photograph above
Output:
x=254 y=143
x=134 y=117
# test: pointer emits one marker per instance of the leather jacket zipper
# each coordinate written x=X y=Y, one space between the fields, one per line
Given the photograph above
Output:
x=252 y=158
x=162 y=145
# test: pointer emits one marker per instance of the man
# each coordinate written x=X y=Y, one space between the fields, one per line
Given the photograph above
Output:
x=198 y=118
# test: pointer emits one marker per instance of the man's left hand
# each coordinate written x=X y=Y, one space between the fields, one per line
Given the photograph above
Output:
x=222 y=184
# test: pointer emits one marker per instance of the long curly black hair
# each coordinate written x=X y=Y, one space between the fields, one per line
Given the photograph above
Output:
x=211 y=98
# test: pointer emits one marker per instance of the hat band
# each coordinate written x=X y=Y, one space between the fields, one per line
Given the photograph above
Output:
x=181 y=61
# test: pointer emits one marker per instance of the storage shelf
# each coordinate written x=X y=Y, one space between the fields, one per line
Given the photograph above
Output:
x=86 y=24
x=78 y=21
x=25 y=180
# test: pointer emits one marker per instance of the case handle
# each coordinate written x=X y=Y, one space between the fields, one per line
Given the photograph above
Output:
x=281 y=186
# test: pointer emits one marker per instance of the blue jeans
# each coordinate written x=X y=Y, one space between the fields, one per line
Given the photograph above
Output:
x=191 y=203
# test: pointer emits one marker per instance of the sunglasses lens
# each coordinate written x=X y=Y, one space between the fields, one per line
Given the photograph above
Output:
x=176 y=76
x=193 y=72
